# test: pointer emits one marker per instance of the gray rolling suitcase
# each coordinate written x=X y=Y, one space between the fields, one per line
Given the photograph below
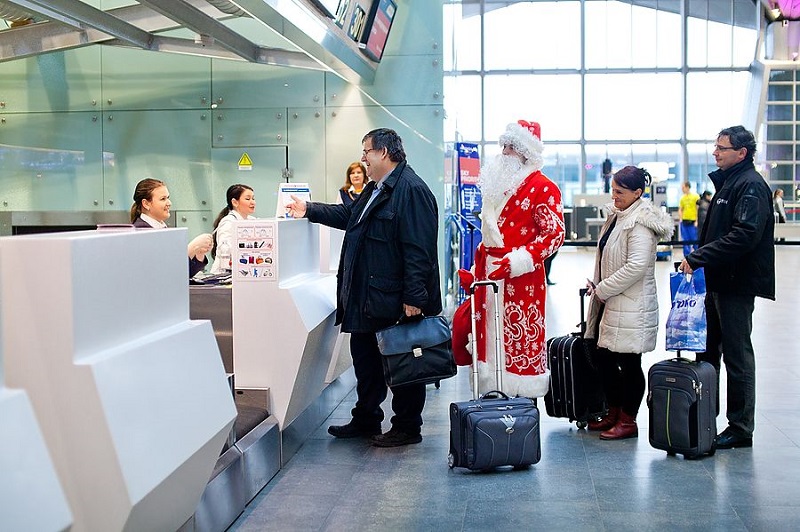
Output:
x=681 y=398
x=493 y=429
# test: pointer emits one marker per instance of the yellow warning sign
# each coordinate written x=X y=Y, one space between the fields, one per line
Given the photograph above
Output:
x=245 y=163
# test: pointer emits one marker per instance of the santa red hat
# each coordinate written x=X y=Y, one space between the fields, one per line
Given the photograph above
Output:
x=525 y=137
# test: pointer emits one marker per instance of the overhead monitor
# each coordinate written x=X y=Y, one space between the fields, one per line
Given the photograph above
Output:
x=329 y=7
x=378 y=26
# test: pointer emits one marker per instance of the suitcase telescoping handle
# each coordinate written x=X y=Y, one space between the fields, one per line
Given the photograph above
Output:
x=582 y=293
x=498 y=338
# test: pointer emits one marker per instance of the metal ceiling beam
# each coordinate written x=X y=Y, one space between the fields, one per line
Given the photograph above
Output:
x=47 y=37
x=306 y=27
x=199 y=22
x=43 y=12
x=263 y=55
x=89 y=16
x=325 y=45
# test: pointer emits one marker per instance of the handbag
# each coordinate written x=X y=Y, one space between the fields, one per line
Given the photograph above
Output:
x=418 y=351
x=462 y=329
x=686 y=324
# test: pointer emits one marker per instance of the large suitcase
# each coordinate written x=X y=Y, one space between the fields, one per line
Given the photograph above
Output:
x=576 y=391
x=493 y=429
x=681 y=398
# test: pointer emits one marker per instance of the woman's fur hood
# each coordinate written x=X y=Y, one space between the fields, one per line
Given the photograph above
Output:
x=643 y=212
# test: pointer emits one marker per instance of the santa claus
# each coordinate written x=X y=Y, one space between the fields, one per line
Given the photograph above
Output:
x=522 y=223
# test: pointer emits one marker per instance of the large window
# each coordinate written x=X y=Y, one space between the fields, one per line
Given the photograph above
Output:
x=633 y=81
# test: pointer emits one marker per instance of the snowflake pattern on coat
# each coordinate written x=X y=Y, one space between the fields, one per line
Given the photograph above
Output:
x=531 y=224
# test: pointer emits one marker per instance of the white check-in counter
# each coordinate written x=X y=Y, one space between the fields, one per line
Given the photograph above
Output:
x=284 y=306
x=130 y=394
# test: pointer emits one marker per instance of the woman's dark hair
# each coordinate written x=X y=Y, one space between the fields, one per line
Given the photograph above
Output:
x=389 y=139
x=143 y=191
x=234 y=192
x=632 y=178
x=353 y=166
x=740 y=138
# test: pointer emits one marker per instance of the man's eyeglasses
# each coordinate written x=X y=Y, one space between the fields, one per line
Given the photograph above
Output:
x=365 y=152
x=717 y=147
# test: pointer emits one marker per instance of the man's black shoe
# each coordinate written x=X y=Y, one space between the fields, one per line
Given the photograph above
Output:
x=353 y=430
x=728 y=440
x=395 y=438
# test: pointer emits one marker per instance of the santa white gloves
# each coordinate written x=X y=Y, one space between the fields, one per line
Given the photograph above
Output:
x=200 y=245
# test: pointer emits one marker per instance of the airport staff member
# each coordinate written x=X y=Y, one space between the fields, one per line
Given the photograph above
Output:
x=388 y=267
x=151 y=207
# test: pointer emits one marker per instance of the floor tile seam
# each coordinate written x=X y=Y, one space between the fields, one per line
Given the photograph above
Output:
x=590 y=475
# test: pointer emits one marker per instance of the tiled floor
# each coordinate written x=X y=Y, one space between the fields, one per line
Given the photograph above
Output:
x=581 y=483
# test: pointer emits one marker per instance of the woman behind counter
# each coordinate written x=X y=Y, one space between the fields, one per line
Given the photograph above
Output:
x=241 y=204
x=354 y=182
x=623 y=310
x=150 y=208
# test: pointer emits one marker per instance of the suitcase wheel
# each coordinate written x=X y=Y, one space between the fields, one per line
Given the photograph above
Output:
x=522 y=467
x=581 y=424
x=713 y=449
x=451 y=460
x=671 y=453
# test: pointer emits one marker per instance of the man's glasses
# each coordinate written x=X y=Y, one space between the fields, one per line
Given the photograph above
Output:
x=365 y=152
x=717 y=147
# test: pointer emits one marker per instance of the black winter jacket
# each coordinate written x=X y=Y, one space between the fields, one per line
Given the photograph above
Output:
x=390 y=256
x=737 y=243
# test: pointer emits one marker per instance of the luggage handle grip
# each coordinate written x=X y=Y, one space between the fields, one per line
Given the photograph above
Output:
x=494 y=394
x=476 y=284
x=498 y=336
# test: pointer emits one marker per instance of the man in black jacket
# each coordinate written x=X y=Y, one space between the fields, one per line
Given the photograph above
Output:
x=388 y=268
x=737 y=251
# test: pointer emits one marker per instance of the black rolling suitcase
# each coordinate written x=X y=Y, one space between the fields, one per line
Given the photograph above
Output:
x=575 y=388
x=493 y=429
x=681 y=398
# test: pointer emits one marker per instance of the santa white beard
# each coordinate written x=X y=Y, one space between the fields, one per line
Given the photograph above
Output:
x=500 y=178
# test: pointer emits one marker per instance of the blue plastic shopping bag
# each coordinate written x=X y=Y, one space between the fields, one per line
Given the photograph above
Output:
x=686 y=324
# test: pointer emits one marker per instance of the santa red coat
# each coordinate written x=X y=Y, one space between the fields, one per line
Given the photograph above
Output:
x=527 y=228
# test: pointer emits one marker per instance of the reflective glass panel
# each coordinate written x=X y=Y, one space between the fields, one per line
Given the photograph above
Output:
x=527 y=35
x=462 y=38
x=552 y=100
x=714 y=100
x=637 y=106
x=462 y=97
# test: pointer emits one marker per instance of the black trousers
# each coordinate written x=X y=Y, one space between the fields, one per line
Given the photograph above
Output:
x=371 y=390
x=623 y=379
x=730 y=322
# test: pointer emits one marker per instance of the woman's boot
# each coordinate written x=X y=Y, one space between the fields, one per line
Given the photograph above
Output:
x=607 y=421
x=625 y=428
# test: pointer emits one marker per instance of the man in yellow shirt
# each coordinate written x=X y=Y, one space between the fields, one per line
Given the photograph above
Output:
x=687 y=212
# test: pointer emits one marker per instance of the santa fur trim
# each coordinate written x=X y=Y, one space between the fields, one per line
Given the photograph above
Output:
x=524 y=143
x=521 y=262
x=513 y=384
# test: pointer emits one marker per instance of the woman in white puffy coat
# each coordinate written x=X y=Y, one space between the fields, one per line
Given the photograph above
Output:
x=623 y=310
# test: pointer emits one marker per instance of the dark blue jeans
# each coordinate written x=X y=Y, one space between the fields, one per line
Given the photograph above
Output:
x=371 y=390
x=730 y=322
x=688 y=232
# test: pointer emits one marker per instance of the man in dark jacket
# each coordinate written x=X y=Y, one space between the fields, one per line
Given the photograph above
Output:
x=388 y=268
x=737 y=251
